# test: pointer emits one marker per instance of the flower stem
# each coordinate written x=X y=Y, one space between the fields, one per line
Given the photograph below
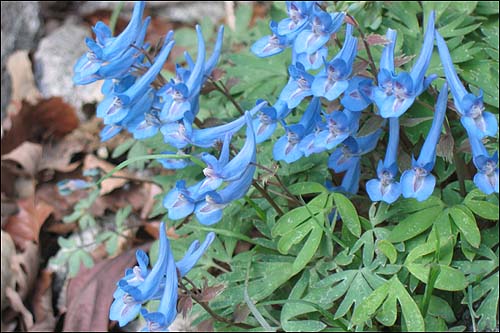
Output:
x=371 y=62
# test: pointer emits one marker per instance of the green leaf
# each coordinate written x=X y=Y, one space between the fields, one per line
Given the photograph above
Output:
x=484 y=209
x=411 y=313
x=86 y=221
x=388 y=250
x=112 y=244
x=86 y=258
x=367 y=308
x=466 y=224
x=122 y=148
x=414 y=224
x=67 y=243
x=449 y=278
x=73 y=264
x=488 y=310
x=309 y=249
x=73 y=216
x=347 y=213
x=138 y=149
x=389 y=312
x=306 y=188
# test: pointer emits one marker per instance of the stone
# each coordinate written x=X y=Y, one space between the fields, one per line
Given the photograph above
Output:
x=54 y=59
x=176 y=11
x=20 y=28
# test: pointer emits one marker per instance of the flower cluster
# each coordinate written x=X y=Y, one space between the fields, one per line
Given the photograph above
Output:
x=141 y=284
x=307 y=30
x=139 y=99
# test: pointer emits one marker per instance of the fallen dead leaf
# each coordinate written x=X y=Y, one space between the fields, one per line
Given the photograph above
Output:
x=28 y=155
x=153 y=190
x=45 y=320
x=58 y=156
x=90 y=293
x=16 y=303
x=24 y=227
x=25 y=268
x=109 y=184
x=56 y=116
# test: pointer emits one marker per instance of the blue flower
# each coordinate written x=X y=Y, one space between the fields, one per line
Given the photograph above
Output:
x=386 y=188
x=476 y=121
x=110 y=57
x=298 y=86
x=175 y=163
x=141 y=284
x=357 y=95
x=332 y=80
x=209 y=211
x=207 y=137
x=419 y=182
x=313 y=37
x=180 y=201
x=345 y=156
x=222 y=170
x=265 y=124
x=287 y=147
x=299 y=14
x=339 y=125
x=396 y=93
x=313 y=60
x=270 y=45
x=486 y=178
x=68 y=186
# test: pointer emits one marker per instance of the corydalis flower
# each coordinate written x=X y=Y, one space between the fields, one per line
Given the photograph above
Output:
x=486 y=178
x=270 y=45
x=298 y=86
x=141 y=284
x=332 y=80
x=476 y=121
x=299 y=14
x=419 y=182
x=322 y=26
x=239 y=172
x=396 y=93
x=386 y=188
x=223 y=170
x=110 y=57
x=287 y=147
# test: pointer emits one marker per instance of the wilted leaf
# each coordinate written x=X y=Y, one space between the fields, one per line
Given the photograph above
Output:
x=45 y=320
x=402 y=59
x=184 y=305
x=23 y=82
x=375 y=39
x=56 y=116
x=445 y=146
x=90 y=293
x=58 y=156
x=27 y=155
x=17 y=305
x=25 y=225
x=209 y=293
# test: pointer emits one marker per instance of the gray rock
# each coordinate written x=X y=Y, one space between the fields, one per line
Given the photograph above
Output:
x=54 y=59
x=20 y=28
x=178 y=11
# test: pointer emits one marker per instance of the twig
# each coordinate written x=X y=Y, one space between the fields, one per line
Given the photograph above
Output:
x=371 y=62
x=267 y=197
x=207 y=308
x=223 y=89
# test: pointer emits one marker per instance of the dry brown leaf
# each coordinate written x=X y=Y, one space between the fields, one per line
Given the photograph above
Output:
x=58 y=156
x=25 y=268
x=90 y=294
x=153 y=190
x=27 y=155
x=206 y=326
x=24 y=227
x=63 y=205
x=56 y=116
x=16 y=303
x=375 y=39
x=109 y=184
x=45 y=320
